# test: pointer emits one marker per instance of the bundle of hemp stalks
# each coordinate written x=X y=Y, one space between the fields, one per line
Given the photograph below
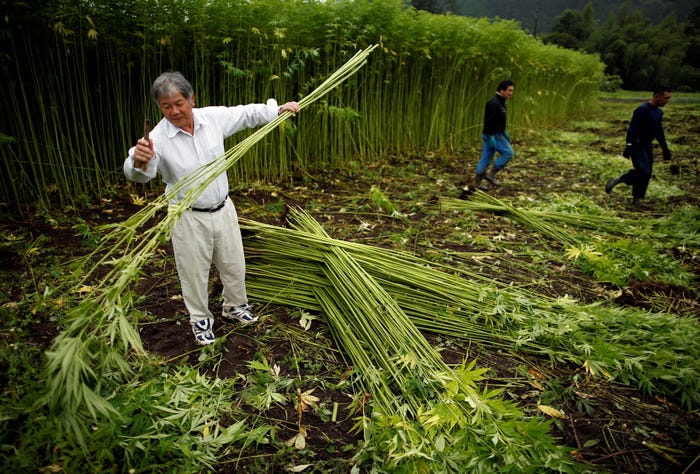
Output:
x=290 y=267
x=415 y=394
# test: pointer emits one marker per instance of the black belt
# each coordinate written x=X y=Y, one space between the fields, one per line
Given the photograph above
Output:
x=213 y=209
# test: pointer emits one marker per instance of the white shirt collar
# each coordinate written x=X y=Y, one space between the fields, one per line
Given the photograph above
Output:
x=199 y=120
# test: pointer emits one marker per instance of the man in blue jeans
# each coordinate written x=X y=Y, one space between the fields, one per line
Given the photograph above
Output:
x=495 y=137
x=645 y=126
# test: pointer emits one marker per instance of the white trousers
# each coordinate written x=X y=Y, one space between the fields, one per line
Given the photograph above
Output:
x=200 y=239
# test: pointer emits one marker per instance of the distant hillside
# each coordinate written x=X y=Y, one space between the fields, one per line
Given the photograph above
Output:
x=541 y=13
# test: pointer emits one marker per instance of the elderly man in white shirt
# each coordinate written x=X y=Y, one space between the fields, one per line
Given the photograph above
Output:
x=185 y=139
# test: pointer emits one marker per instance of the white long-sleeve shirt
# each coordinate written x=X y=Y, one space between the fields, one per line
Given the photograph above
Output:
x=178 y=153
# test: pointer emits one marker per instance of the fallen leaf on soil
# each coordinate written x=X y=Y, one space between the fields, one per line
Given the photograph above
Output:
x=299 y=440
x=306 y=400
x=553 y=412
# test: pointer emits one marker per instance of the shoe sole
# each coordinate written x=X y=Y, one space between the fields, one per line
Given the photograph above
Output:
x=243 y=321
x=204 y=342
x=493 y=181
x=236 y=319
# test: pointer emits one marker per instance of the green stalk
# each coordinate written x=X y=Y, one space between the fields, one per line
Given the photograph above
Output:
x=481 y=201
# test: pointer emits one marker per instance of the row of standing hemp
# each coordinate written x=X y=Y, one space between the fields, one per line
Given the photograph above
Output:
x=79 y=91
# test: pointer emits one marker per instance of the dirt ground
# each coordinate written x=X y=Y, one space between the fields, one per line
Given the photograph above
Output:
x=614 y=427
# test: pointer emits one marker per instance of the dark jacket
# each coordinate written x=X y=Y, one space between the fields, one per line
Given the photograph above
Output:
x=495 y=116
x=646 y=125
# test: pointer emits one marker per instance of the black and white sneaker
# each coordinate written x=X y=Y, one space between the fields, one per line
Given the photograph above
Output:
x=243 y=314
x=204 y=331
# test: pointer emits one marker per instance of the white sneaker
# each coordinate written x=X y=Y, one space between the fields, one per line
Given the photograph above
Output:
x=243 y=314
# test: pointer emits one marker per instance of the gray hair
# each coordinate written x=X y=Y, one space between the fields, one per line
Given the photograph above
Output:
x=170 y=83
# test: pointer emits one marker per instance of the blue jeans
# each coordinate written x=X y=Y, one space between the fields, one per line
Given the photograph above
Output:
x=502 y=147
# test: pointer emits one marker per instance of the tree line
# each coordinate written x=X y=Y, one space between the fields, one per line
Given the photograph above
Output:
x=642 y=45
x=637 y=52
x=538 y=16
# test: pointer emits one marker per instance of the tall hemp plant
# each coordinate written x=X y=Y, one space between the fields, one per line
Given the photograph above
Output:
x=90 y=360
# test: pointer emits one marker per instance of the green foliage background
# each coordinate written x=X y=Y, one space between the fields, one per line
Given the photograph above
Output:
x=642 y=43
x=541 y=14
x=639 y=51
x=77 y=77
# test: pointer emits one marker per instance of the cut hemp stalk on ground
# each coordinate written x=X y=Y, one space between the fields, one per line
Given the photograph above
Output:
x=425 y=416
x=617 y=262
x=655 y=351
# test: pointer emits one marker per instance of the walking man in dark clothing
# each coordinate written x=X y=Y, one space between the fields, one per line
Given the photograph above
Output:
x=644 y=127
x=495 y=137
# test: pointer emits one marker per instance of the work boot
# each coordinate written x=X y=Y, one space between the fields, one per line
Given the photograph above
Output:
x=490 y=175
x=479 y=182
x=639 y=204
x=612 y=182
